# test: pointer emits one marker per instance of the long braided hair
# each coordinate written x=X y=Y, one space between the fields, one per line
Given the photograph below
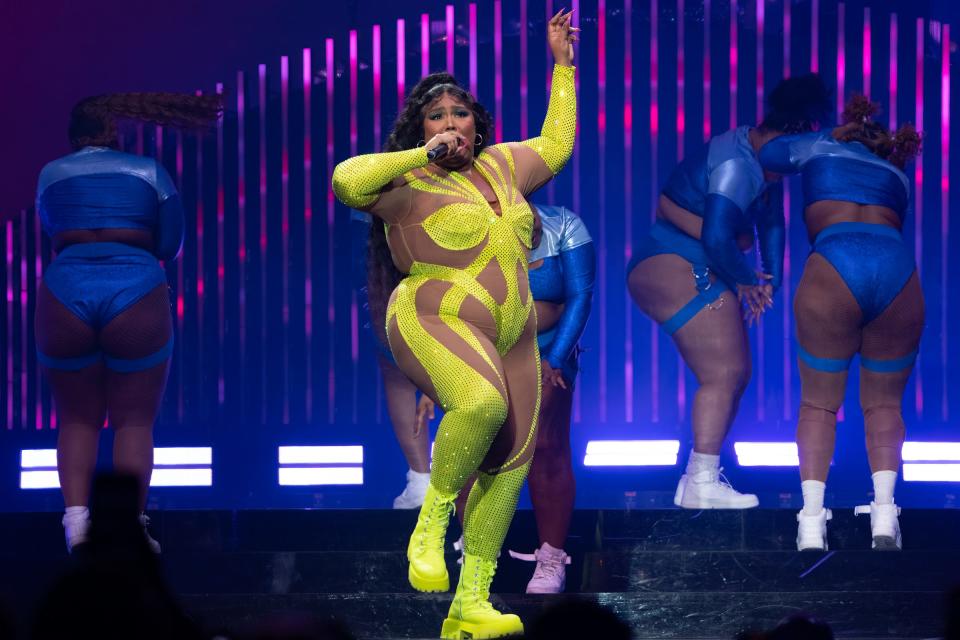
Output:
x=382 y=275
x=93 y=120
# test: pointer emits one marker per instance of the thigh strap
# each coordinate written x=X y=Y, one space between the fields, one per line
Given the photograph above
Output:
x=828 y=365
x=68 y=364
x=889 y=366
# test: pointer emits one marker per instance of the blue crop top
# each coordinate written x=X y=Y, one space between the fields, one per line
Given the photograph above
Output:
x=100 y=188
x=834 y=170
x=725 y=186
x=566 y=277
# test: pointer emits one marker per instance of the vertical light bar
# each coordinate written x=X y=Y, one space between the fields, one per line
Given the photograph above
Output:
x=918 y=194
x=331 y=309
x=24 y=369
x=181 y=297
x=602 y=196
x=377 y=88
x=787 y=265
x=681 y=123
x=944 y=211
x=221 y=269
x=424 y=44
x=242 y=228
x=734 y=61
x=654 y=180
x=377 y=137
x=575 y=22
x=761 y=333
x=354 y=314
x=401 y=63
x=451 y=38
x=551 y=186
x=707 y=73
x=867 y=52
x=473 y=47
x=524 y=89
x=10 y=343
x=815 y=36
x=200 y=279
x=264 y=239
x=37 y=278
x=307 y=82
x=841 y=56
x=285 y=228
x=498 y=70
x=894 y=76
x=628 y=201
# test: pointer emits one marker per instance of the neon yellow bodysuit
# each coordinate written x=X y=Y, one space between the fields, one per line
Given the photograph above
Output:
x=461 y=325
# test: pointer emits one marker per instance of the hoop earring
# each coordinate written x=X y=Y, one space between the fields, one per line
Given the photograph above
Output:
x=476 y=142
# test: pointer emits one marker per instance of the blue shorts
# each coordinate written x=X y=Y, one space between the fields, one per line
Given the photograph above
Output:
x=875 y=265
x=666 y=238
x=872 y=260
x=97 y=282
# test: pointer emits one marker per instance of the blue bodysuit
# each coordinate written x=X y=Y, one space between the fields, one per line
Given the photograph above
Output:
x=100 y=188
x=725 y=186
x=565 y=277
x=871 y=258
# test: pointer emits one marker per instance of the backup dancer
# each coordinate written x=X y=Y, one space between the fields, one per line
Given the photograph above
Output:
x=103 y=325
x=691 y=271
x=859 y=293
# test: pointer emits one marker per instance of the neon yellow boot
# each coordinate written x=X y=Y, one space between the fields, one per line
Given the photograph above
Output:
x=428 y=569
x=471 y=614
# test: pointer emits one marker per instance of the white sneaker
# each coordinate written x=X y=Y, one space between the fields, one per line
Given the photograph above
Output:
x=710 y=489
x=812 y=531
x=884 y=525
x=550 y=576
x=76 y=528
x=415 y=491
x=153 y=544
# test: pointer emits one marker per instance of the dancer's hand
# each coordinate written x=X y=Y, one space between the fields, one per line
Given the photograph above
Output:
x=426 y=411
x=552 y=376
x=452 y=139
x=756 y=298
x=561 y=37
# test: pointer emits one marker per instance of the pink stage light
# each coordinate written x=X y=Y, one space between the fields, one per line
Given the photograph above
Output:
x=628 y=200
x=221 y=311
x=307 y=83
x=473 y=47
x=451 y=38
x=285 y=230
x=918 y=196
x=264 y=351
x=944 y=213
x=331 y=202
x=424 y=44
x=654 y=179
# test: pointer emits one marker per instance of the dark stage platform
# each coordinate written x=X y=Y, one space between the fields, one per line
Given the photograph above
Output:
x=670 y=573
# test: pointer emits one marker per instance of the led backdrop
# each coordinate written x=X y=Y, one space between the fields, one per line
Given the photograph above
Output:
x=271 y=347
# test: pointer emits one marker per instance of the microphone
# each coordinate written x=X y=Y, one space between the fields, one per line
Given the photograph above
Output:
x=438 y=152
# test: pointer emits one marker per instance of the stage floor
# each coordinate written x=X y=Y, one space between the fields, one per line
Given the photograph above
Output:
x=670 y=573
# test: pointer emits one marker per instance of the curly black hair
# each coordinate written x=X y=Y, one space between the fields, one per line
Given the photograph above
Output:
x=382 y=275
x=797 y=105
